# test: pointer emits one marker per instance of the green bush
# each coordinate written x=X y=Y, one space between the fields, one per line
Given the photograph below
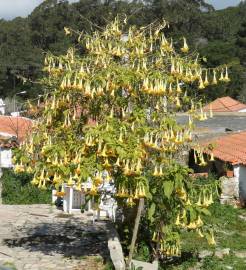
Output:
x=16 y=189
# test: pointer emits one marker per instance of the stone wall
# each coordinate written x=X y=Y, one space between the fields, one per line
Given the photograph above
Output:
x=230 y=190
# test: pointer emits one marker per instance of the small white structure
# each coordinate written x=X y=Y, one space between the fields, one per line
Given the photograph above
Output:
x=5 y=158
x=74 y=199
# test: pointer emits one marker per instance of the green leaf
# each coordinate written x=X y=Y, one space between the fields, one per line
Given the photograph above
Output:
x=205 y=212
x=193 y=214
x=168 y=187
x=153 y=190
x=178 y=180
x=151 y=212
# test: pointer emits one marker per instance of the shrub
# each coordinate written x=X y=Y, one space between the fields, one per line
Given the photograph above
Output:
x=16 y=189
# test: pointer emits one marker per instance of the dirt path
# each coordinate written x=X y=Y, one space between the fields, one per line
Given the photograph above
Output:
x=39 y=237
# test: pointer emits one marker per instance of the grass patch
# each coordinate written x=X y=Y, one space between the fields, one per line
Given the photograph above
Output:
x=230 y=232
x=16 y=189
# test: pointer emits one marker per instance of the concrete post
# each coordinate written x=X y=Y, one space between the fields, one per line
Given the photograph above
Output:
x=1 y=173
x=65 y=201
x=54 y=197
x=70 y=201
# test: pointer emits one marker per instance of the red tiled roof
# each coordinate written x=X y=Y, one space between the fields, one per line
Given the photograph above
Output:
x=15 y=126
x=225 y=104
x=230 y=148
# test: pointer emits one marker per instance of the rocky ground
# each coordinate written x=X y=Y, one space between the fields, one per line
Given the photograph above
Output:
x=39 y=237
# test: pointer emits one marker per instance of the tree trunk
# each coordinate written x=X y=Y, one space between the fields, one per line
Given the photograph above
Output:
x=135 y=232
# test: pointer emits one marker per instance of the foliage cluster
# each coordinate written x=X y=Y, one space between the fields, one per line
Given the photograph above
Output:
x=16 y=189
x=109 y=115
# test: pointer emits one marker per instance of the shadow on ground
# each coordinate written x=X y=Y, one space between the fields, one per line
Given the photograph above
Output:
x=71 y=238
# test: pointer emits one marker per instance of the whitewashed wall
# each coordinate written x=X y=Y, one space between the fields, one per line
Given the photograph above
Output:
x=240 y=173
x=2 y=107
x=5 y=158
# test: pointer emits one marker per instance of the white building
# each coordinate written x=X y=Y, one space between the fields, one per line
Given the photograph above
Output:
x=13 y=130
x=230 y=161
x=225 y=104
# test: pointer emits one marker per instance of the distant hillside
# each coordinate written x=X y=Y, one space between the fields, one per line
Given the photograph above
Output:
x=217 y=35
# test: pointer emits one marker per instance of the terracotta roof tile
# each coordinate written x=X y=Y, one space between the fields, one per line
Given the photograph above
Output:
x=15 y=126
x=230 y=148
x=225 y=104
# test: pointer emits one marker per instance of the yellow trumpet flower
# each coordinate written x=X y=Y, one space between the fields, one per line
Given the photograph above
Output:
x=206 y=82
x=70 y=181
x=104 y=154
x=214 y=82
x=201 y=83
x=200 y=233
x=188 y=202
x=199 y=201
x=121 y=137
x=34 y=181
x=154 y=238
x=178 y=88
x=139 y=166
x=170 y=89
x=192 y=225
x=117 y=163
x=211 y=240
x=106 y=163
x=178 y=102
x=185 y=47
x=221 y=76
x=190 y=121
x=199 y=221
x=156 y=171
x=177 y=222
x=226 y=78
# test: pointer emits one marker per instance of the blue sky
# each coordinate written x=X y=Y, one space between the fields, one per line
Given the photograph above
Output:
x=220 y=4
x=10 y=9
x=13 y=8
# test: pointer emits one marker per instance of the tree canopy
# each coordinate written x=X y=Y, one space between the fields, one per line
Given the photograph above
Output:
x=109 y=115
x=216 y=34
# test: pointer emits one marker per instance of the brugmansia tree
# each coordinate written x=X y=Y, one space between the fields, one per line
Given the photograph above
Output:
x=110 y=114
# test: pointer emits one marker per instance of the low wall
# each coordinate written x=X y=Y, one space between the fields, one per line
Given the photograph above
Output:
x=229 y=188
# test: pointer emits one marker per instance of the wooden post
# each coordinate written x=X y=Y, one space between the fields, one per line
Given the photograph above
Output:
x=135 y=232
